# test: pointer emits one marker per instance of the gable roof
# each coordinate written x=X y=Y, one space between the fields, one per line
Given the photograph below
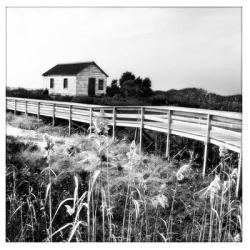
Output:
x=70 y=69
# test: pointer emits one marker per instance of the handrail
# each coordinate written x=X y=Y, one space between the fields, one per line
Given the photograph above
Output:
x=155 y=117
x=220 y=128
x=226 y=127
x=229 y=114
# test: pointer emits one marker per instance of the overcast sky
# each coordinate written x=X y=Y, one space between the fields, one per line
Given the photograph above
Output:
x=174 y=47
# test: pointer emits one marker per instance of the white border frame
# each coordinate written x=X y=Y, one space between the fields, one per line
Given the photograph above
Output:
x=134 y=3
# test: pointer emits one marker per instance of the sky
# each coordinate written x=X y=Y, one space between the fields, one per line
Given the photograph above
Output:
x=175 y=47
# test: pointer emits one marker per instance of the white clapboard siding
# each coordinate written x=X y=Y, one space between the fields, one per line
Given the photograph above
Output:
x=58 y=84
x=82 y=80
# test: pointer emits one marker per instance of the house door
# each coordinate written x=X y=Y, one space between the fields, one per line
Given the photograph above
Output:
x=91 y=89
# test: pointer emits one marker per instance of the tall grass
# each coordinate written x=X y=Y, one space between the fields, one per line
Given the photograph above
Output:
x=98 y=189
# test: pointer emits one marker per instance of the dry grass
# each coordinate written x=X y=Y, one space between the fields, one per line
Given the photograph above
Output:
x=24 y=121
x=33 y=123
x=96 y=189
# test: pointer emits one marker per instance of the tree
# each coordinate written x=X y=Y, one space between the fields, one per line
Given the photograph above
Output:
x=129 y=88
x=126 y=77
x=146 y=88
x=136 y=87
x=113 y=89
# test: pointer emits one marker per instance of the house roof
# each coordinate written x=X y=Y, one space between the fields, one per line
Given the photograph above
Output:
x=70 y=69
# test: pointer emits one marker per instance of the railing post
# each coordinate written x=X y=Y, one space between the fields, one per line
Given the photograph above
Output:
x=206 y=141
x=238 y=175
x=156 y=143
x=53 y=115
x=38 y=110
x=141 y=128
x=168 y=135
x=15 y=108
x=26 y=107
x=90 y=119
x=70 y=118
x=114 y=121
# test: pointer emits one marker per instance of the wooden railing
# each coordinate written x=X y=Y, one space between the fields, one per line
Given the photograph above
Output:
x=209 y=126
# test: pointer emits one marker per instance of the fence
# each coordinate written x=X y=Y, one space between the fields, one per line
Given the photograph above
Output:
x=209 y=126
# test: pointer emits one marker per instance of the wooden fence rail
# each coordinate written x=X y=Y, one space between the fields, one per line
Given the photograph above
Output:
x=209 y=126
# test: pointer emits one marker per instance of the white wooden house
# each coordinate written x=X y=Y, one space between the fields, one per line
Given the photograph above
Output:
x=85 y=78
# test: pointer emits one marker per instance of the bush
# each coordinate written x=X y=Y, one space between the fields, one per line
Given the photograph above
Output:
x=158 y=99
x=24 y=93
x=45 y=92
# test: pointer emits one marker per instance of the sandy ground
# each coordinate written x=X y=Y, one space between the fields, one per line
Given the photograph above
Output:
x=32 y=135
x=18 y=132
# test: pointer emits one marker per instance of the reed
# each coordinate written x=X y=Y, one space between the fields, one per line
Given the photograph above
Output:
x=98 y=189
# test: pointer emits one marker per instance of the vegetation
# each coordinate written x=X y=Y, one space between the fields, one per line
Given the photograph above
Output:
x=25 y=93
x=199 y=98
x=129 y=85
x=28 y=122
x=135 y=91
x=97 y=189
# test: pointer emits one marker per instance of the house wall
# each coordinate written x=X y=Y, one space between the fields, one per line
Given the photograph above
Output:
x=82 y=80
x=58 y=85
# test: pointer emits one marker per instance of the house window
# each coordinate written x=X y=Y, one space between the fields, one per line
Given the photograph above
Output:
x=65 y=83
x=51 y=83
x=100 y=84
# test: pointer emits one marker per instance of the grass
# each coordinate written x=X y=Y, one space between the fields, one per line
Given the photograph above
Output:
x=28 y=122
x=97 y=189
x=24 y=121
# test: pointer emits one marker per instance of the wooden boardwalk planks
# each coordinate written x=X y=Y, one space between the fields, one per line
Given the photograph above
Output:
x=209 y=126
x=226 y=127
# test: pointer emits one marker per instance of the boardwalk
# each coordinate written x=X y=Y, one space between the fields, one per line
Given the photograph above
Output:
x=224 y=128
x=217 y=127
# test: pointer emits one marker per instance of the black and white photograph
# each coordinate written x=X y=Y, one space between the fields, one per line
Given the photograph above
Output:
x=123 y=124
